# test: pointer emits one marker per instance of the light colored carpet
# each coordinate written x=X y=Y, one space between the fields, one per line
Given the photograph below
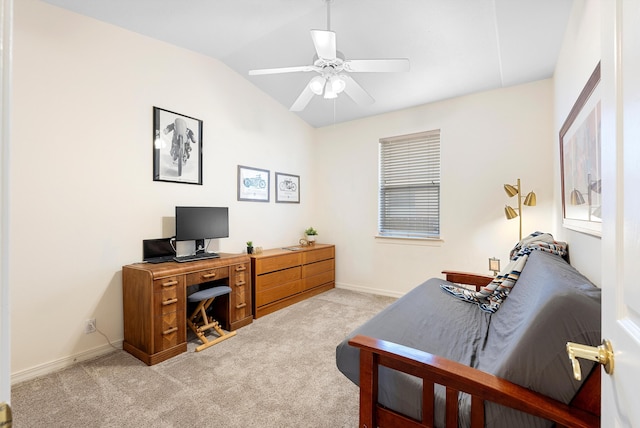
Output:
x=279 y=371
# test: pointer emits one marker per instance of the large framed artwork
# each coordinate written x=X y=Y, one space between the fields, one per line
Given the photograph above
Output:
x=580 y=164
x=177 y=147
x=287 y=188
x=253 y=184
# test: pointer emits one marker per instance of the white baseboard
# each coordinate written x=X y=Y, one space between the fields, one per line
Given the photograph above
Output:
x=63 y=363
x=369 y=290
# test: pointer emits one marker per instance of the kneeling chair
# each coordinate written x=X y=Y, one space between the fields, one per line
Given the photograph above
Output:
x=199 y=322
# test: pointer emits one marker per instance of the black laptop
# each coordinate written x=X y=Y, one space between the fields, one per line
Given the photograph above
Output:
x=157 y=250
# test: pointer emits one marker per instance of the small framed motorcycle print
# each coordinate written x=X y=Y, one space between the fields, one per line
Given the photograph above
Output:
x=177 y=147
x=253 y=184
x=287 y=188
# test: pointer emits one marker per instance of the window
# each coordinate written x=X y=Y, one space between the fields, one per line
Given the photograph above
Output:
x=409 y=205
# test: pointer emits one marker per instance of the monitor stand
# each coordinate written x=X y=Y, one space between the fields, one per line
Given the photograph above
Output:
x=200 y=246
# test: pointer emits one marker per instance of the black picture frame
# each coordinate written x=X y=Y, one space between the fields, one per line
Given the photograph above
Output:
x=175 y=133
x=287 y=188
x=253 y=184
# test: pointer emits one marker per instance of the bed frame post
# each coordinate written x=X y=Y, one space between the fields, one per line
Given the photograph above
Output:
x=368 y=388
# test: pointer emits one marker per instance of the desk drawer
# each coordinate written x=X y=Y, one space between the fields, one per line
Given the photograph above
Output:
x=240 y=298
x=240 y=274
x=164 y=283
x=169 y=330
x=168 y=295
x=207 y=275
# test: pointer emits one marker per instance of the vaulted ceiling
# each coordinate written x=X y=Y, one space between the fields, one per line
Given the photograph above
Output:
x=455 y=47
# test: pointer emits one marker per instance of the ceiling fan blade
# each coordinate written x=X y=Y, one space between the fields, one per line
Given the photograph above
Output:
x=303 y=99
x=325 y=43
x=282 y=70
x=377 y=65
x=356 y=92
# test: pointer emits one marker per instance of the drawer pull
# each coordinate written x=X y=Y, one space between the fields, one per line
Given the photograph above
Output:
x=241 y=305
x=171 y=330
x=209 y=275
x=240 y=283
x=241 y=268
x=169 y=302
x=169 y=283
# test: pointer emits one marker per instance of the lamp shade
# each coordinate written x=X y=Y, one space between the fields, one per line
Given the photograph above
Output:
x=317 y=85
x=329 y=93
x=511 y=191
x=337 y=84
x=530 y=200
x=576 y=197
x=510 y=212
x=596 y=186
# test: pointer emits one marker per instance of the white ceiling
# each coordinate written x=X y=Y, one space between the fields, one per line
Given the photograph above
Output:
x=456 y=47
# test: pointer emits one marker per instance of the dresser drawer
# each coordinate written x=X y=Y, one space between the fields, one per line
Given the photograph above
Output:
x=274 y=279
x=316 y=280
x=271 y=264
x=316 y=255
x=270 y=295
x=207 y=275
x=317 y=268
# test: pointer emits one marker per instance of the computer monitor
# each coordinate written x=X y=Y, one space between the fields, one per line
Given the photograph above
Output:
x=200 y=223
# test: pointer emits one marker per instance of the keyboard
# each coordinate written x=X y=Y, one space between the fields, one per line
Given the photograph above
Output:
x=194 y=257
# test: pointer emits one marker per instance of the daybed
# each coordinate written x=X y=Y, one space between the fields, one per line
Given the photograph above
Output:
x=515 y=356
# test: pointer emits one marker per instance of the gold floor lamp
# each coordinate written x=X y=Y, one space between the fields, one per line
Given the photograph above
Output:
x=529 y=200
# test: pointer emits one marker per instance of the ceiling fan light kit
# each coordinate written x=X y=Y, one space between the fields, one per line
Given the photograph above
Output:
x=317 y=85
x=330 y=65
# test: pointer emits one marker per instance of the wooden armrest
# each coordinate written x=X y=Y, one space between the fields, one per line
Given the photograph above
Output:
x=457 y=378
x=467 y=278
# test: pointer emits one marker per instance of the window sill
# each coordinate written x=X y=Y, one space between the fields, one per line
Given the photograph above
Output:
x=395 y=240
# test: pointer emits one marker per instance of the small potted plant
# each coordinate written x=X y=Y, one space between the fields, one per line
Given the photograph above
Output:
x=249 y=247
x=311 y=234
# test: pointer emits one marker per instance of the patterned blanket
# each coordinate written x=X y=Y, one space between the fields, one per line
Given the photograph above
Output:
x=490 y=297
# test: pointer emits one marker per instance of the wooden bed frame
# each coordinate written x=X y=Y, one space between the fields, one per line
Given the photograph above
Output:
x=583 y=411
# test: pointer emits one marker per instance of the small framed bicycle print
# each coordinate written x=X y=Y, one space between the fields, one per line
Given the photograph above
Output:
x=177 y=147
x=287 y=188
x=253 y=184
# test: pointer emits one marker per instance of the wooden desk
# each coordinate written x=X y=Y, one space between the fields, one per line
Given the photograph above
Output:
x=154 y=298
x=282 y=277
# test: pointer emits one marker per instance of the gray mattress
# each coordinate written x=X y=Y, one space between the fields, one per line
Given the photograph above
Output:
x=523 y=342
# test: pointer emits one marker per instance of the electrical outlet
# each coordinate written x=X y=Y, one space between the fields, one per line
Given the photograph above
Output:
x=90 y=326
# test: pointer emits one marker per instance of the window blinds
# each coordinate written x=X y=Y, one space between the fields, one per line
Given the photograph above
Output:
x=409 y=200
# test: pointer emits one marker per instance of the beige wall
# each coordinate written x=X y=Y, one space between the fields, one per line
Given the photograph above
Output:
x=488 y=139
x=81 y=174
x=579 y=55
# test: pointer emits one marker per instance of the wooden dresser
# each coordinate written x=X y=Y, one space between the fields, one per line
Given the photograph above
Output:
x=281 y=277
x=155 y=302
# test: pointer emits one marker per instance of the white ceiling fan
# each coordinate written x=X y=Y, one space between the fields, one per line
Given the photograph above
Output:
x=331 y=66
